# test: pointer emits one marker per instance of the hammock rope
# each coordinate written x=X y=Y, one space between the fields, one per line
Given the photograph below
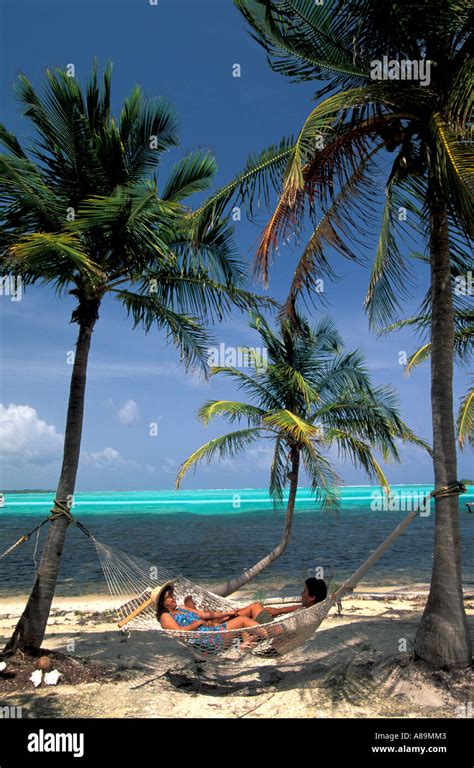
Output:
x=59 y=508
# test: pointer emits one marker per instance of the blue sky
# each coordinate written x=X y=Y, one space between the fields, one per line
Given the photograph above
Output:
x=184 y=50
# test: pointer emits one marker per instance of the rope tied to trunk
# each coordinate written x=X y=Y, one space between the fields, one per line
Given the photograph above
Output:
x=63 y=508
x=452 y=489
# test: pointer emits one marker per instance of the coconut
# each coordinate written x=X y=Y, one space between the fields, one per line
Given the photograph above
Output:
x=44 y=663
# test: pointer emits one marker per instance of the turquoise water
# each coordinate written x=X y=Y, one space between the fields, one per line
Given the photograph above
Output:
x=211 y=502
x=210 y=534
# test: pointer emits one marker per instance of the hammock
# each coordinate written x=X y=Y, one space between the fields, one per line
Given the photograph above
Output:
x=131 y=579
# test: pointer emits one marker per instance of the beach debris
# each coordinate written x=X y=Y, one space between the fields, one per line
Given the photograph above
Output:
x=44 y=663
x=51 y=678
x=2 y=666
x=36 y=677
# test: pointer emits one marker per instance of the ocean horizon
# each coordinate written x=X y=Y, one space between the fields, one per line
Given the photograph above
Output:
x=209 y=534
x=221 y=500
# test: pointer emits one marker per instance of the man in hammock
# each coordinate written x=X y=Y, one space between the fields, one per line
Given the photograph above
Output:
x=314 y=591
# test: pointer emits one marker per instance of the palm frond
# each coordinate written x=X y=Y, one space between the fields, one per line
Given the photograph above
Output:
x=46 y=255
x=336 y=229
x=11 y=143
x=465 y=420
x=256 y=386
x=335 y=176
x=454 y=168
x=323 y=478
x=359 y=454
x=210 y=241
x=297 y=382
x=231 y=410
x=461 y=97
x=421 y=354
x=345 y=371
x=262 y=173
x=291 y=425
x=463 y=336
x=226 y=446
x=185 y=332
x=388 y=280
x=193 y=291
x=146 y=129
x=26 y=198
x=300 y=43
x=193 y=173
x=279 y=471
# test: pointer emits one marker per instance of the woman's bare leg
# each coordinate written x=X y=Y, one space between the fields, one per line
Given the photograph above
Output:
x=240 y=622
x=250 y=639
x=251 y=611
x=246 y=639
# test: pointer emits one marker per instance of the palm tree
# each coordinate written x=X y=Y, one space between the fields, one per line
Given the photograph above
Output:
x=81 y=211
x=307 y=397
x=331 y=173
x=463 y=342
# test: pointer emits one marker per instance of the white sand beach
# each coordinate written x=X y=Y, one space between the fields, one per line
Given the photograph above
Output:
x=358 y=664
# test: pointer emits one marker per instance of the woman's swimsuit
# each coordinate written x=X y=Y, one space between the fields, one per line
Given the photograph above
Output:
x=183 y=617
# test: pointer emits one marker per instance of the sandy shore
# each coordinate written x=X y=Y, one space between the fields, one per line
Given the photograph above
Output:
x=358 y=664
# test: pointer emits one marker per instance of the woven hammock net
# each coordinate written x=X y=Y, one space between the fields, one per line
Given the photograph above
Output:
x=131 y=579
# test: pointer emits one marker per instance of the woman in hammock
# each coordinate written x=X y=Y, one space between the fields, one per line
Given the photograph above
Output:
x=172 y=617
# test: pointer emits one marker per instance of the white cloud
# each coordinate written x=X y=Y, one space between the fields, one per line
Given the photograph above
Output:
x=106 y=458
x=26 y=437
x=129 y=412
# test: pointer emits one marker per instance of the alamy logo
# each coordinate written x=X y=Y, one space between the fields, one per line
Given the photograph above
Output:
x=10 y=712
x=238 y=357
x=400 y=502
x=11 y=285
x=56 y=742
x=403 y=69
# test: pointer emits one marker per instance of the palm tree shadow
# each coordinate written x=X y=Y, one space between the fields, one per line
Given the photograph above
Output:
x=346 y=663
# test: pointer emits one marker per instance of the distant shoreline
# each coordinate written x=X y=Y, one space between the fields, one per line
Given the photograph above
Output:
x=33 y=490
x=195 y=490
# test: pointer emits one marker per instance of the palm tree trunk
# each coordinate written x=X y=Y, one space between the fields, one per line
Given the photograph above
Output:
x=443 y=638
x=29 y=632
x=225 y=588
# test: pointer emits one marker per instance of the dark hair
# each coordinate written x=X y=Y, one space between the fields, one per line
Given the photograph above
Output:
x=317 y=588
x=160 y=608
